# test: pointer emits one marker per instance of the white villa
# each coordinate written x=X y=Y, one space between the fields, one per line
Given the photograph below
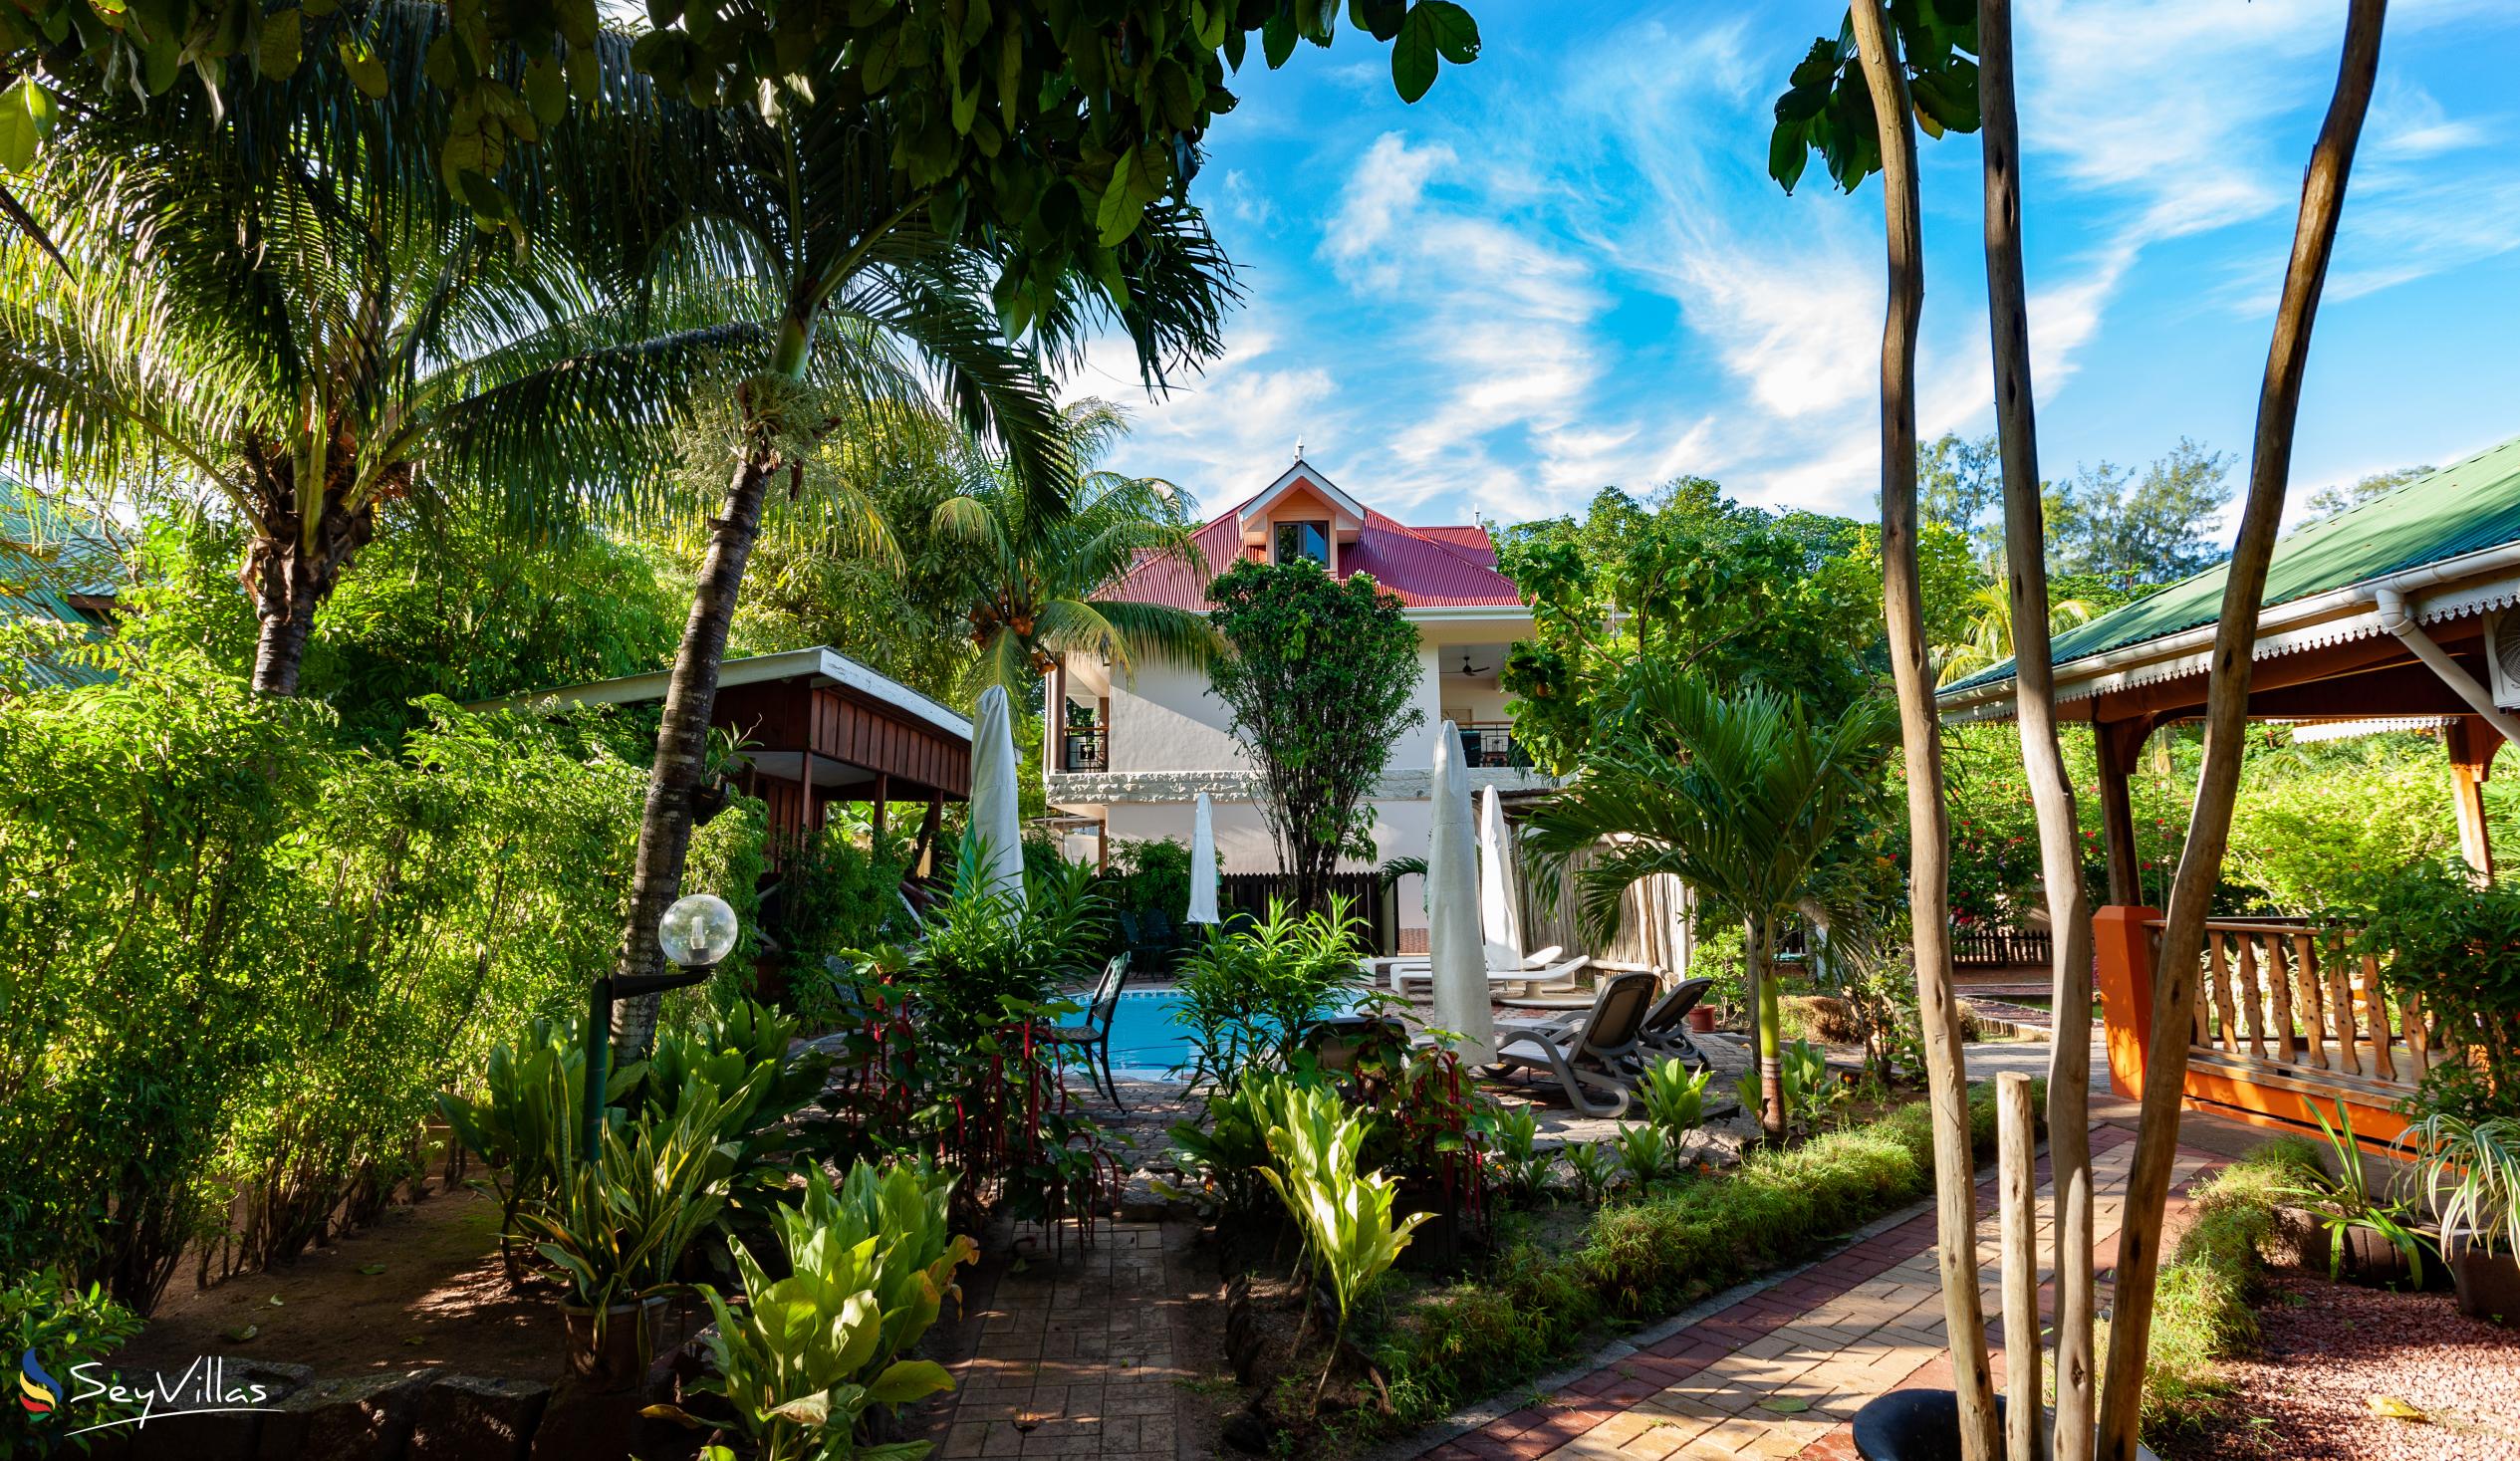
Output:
x=1127 y=760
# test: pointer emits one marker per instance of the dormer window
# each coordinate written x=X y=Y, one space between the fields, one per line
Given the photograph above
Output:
x=1304 y=540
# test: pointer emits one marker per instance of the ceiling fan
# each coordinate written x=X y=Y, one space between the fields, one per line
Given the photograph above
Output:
x=1467 y=667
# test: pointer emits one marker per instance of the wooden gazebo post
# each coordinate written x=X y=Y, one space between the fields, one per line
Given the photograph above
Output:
x=2472 y=744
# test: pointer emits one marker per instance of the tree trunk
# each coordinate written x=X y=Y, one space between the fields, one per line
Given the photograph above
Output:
x=2226 y=725
x=2051 y=789
x=289 y=582
x=664 y=826
x=1771 y=1034
x=1928 y=835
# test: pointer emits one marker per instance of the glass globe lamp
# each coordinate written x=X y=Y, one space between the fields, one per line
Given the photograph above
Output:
x=697 y=932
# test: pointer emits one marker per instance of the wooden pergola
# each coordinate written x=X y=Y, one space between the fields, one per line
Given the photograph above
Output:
x=2401 y=614
x=815 y=727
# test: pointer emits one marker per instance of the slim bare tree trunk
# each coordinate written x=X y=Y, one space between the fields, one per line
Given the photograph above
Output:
x=1771 y=1031
x=664 y=828
x=2226 y=722
x=1920 y=734
x=2051 y=790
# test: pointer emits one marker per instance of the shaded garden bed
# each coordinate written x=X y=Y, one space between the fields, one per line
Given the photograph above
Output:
x=2329 y=1357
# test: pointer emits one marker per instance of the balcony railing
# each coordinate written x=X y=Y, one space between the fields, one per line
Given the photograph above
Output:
x=1086 y=748
x=1491 y=744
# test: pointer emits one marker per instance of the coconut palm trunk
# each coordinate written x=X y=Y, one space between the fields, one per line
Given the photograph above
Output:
x=2226 y=723
x=665 y=818
x=1930 y=847
x=2051 y=789
x=1759 y=937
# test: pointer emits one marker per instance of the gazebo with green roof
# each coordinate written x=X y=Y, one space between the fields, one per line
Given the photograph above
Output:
x=2377 y=612
x=2402 y=613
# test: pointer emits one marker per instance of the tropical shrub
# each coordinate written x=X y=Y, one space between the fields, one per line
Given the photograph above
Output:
x=1433 y=1126
x=1349 y=1236
x=1645 y=1152
x=837 y=893
x=525 y=1125
x=1149 y=873
x=277 y=951
x=1250 y=999
x=55 y=1326
x=1674 y=1098
x=743 y=1052
x=805 y=1357
x=2454 y=944
x=940 y=1051
x=623 y=1218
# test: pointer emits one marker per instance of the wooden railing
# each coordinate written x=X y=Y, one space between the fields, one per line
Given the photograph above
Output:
x=1986 y=945
x=2286 y=1018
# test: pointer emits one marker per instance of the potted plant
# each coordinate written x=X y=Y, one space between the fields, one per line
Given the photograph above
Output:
x=2471 y=1170
x=2371 y=1239
x=618 y=1226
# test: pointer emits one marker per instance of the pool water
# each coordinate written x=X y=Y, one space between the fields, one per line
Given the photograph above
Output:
x=1149 y=1041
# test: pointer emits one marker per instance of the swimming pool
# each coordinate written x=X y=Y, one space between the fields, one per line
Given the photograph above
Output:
x=1149 y=1040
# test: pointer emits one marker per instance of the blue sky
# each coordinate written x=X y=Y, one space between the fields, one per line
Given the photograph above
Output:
x=1566 y=268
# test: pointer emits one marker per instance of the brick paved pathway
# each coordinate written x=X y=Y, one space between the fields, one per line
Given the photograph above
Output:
x=1081 y=1355
x=1814 y=1348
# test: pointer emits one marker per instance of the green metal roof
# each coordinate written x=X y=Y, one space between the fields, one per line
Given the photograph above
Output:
x=2461 y=509
x=45 y=557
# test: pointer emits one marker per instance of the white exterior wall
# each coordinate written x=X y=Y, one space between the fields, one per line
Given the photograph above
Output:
x=1169 y=741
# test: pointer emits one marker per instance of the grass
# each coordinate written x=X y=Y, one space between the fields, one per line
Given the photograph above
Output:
x=1542 y=1304
x=2202 y=1308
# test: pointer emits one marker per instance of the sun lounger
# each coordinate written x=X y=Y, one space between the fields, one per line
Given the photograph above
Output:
x=1586 y=1058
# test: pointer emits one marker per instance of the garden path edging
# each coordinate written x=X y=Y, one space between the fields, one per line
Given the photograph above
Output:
x=1498 y=1406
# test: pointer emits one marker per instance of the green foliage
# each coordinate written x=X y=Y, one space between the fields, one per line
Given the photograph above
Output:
x=1231 y=1145
x=1250 y=998
x=2140 y=532
x=940 y=1056
x=1349 y=1236
x=1026 y=576
x=1789 y=601
x=1593 y=1165
x=2454 y=943
x=1521 y=1167
x=273 y=954
x=808 y=1355
x=460 y=610
x=2344 y=1201
x=64 y=1326
x=2316 y=820
x=744 y=1053
x=1743 y=795
x=1645 y=1152
x=2202 y=1309
x=621 y=1219
x=1320 y=727
x=526 y=1124
x=1827 y=108
x=2469 y=1171
x=1674 y=1098
x=837 y=894
x=1149 y=873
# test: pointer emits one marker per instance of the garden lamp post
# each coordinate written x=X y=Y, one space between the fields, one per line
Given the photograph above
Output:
x=697 y=932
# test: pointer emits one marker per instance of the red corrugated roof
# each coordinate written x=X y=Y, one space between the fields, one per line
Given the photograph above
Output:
x=1426 y=566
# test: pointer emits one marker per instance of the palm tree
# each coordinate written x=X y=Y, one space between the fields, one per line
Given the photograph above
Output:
x=1031 y=585
x=284 y=299
x=1988 y=642
x=854 y=301
x=1742 y=797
